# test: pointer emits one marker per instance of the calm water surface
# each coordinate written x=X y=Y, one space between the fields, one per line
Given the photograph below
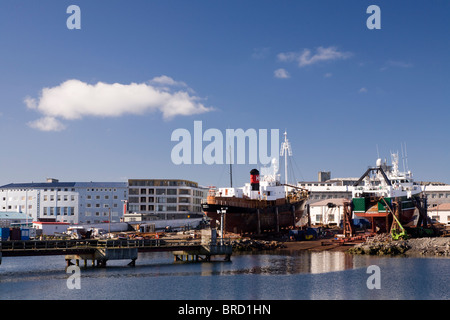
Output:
x=305 y=275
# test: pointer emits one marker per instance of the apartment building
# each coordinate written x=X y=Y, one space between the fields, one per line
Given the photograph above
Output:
x=165 y=198
x=71 y=202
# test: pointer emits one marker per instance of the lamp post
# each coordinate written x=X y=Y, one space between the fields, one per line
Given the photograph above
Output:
x=109 y=220
x=222 y=212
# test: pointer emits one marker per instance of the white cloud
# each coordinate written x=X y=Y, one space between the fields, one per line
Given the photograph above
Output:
x=396 y=64
x=306 y=58
x=168 y=81
x=281 y=74
x=47 y=124
x=260 y=53
x=74 y=99
x=400 y=64
x=363 y=90
x=328 y=75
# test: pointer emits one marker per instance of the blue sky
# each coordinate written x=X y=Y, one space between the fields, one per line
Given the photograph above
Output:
x=312 y=68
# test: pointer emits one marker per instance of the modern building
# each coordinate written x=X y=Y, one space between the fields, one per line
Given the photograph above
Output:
x=71 y=202
x=165 y=198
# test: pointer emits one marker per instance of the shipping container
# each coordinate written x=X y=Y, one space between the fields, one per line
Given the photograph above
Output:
x=14 y=234
x=25 y=234
x=4 y=234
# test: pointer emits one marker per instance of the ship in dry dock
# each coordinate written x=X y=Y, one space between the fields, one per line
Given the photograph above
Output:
x=384 y=193
x=263 y=205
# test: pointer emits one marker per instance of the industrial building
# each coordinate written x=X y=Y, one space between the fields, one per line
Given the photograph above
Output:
x=70 y=202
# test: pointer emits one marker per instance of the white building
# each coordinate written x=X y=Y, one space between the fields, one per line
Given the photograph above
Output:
x=50 y=228
x=436 y=193
x=166 y=198
x=327 y=212
x=440 y=213
x=71 y=202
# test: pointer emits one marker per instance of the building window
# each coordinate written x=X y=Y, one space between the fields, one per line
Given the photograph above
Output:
x=143 y=191
x=160 y=191
x=133 y=200
x=134 y=191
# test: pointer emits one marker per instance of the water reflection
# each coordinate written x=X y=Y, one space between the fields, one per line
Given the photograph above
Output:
x=274 y=275
x=284 y=263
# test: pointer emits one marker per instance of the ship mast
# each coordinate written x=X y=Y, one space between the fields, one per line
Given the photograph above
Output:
x=231 y=171
x=285 y=151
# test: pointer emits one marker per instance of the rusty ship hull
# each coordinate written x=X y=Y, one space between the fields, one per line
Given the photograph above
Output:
x=246 y=216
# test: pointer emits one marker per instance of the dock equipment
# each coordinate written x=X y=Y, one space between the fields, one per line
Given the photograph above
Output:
x=349 y=228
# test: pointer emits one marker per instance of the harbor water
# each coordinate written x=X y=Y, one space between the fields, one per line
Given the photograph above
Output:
x=262 y=276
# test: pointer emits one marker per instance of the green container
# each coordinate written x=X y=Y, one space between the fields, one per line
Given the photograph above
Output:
x=359 y=204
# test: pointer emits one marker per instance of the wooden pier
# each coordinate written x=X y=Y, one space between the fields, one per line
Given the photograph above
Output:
x=101 y=251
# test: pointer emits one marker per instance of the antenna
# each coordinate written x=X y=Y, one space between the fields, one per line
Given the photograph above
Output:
x=231 y=171
x=406 y=158
x=378 y=153
x=403 y=158
x=285 y=151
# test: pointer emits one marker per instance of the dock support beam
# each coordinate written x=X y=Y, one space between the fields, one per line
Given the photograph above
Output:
x=349 y=229
x=278 y=221
x=259 y=221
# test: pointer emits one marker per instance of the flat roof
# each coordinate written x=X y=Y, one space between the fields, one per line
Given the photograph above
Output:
x=47 y=223
x=46 y=185
x=13 y=215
